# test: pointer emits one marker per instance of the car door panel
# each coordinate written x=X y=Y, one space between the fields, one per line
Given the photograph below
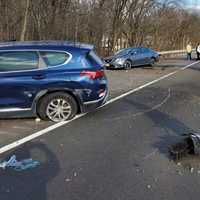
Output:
x=137 y=57
x=148 y=56
x=18 y=87
x=145 y=56
x=134 y=58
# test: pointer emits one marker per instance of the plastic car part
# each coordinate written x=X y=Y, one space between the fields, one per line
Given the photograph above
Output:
x=19 y=165
x=189 y=145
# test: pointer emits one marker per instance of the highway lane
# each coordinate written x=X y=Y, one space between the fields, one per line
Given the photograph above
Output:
x=117 y=152
x=120 y=81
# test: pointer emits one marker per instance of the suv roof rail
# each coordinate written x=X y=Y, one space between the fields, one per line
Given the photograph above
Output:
x=47 y=42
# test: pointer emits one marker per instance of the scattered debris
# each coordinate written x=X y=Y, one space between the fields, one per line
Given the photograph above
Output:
x=189 y=145
x=149 y=186
x=156 y=179
x=67 y=179
x=7 y=190
x=75 y=174
x=37 y=120
x=137 y=170
x=19 y=165
x=61 y=145
x=180 y=173
x=186 y=153
x=196 y=142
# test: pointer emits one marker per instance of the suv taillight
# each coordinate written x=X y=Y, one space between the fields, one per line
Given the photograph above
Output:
x=93 y=74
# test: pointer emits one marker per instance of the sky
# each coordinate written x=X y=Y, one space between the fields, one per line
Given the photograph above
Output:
x=192 y=3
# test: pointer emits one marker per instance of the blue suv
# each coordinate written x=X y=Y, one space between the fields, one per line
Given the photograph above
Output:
x=54 y=80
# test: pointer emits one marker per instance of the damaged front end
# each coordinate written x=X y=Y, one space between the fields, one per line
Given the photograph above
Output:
x=190 y=145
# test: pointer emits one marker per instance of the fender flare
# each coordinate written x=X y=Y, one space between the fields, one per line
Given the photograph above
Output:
x=45 y=92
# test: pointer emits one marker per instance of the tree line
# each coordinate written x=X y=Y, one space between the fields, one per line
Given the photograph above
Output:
x=108 y=24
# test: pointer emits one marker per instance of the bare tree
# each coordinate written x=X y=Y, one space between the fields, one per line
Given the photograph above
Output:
x=24 y=27
x=108 y=24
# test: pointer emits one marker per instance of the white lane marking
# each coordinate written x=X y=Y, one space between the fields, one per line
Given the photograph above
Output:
x=35 y=135
x=55 y=126
x=149 y=83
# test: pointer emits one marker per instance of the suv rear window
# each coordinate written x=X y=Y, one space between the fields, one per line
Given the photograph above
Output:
x=52 y=58
x=18 y=60
x=95 y=58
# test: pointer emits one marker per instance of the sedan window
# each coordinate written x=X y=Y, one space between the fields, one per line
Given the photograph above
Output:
x=135 y=51
x=54 y=58
x=123 y=52
x=140 y=50
x=18 y=61
x=146 y=50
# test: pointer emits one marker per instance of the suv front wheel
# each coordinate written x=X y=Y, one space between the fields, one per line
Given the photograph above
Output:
x=57 y=107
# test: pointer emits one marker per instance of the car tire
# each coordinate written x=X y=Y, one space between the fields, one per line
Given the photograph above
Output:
x=127 y=65
x=57 y=107
x=153 y=61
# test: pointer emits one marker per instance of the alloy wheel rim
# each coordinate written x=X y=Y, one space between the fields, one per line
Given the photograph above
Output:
x=58 y=110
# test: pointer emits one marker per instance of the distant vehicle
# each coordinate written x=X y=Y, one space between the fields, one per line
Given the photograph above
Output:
x=53 y=80
x=131 y=57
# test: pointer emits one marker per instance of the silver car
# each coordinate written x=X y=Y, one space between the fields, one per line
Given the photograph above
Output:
x=131 y=57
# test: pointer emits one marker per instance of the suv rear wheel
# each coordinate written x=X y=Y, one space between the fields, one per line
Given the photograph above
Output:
x=57 y=107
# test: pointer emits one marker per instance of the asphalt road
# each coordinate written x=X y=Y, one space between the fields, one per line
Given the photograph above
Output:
x=119 y=152
x=120 y=81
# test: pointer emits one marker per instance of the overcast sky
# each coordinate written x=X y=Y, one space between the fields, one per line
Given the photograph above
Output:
x=192 y=3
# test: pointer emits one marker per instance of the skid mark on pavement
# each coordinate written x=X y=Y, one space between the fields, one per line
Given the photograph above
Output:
x=4 y=132
x=22 y=127
x=142 y=112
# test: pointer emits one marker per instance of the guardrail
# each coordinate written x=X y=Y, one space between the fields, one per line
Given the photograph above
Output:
x=174 y=52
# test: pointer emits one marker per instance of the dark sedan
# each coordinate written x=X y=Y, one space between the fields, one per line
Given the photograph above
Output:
x=131 y=57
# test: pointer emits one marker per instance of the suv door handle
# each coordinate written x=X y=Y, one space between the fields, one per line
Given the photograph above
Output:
x=39 y=77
